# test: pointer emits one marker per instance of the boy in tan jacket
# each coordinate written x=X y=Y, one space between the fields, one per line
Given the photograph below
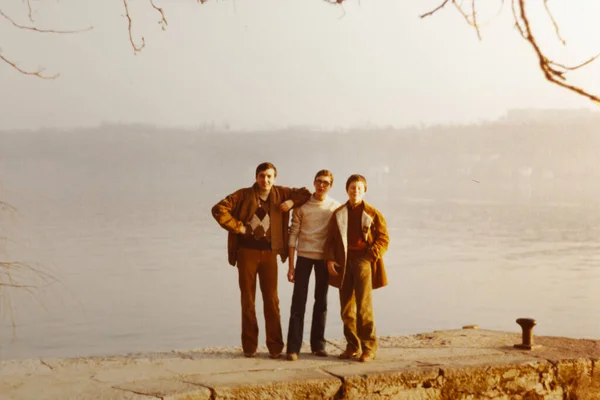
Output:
x=357 y=239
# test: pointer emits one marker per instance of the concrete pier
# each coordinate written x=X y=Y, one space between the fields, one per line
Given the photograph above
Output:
x=448 y=365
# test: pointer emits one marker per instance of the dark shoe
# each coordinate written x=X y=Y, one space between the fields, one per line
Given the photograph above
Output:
x=275 y=356
x=349 y=355
x=320 y=353
x=367 y=356
x=250 y=355
x=292 y=356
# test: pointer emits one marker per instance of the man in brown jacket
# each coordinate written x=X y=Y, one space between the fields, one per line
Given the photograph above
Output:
x=356 y=241
x=257 y=221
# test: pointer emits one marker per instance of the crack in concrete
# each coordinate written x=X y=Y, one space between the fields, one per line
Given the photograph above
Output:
x=44 y=363
x=426 y=364
x=213 y=391
x=339 y=347
x=93 y=378
x=138 y=393
x=183 y=355
x=340 y=393
x=250 y=370
x=181 y=378
x=329 y=373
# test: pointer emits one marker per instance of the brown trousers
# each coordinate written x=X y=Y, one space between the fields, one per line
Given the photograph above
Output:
x=263 y=263
x=357 y=305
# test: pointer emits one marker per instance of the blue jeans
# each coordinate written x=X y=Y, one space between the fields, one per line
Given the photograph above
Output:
x=303 y=270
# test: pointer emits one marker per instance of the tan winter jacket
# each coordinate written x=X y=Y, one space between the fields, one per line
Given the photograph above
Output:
x=375 y=234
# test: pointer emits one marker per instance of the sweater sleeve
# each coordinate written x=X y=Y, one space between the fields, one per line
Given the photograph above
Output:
x=295 y=228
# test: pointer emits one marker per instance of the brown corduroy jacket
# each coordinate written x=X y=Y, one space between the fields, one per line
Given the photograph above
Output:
x=375 y=233
x=236 y=210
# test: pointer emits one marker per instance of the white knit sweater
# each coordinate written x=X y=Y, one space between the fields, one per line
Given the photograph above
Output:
x=309 y=227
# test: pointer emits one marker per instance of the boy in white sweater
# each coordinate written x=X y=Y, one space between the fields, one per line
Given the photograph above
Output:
x=307 y=236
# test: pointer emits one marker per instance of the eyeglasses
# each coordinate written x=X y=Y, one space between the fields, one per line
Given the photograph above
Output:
x=322 y=182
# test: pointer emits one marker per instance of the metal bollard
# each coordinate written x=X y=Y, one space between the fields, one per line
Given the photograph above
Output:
x=527 y=325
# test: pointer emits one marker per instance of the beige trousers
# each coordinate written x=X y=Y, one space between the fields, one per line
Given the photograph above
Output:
x=357 y=305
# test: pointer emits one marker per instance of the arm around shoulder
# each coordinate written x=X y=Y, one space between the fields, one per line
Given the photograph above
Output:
x=298 y=195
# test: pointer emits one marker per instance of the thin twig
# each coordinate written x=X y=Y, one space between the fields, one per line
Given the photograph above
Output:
x=474 y=16
x=15 y=285
x=494 y=17
x=8 y=282
x=38 y=73
x=7 y=206
x=517 y=19
x=9 y=268
x=29 y=10
x=554 y=23
x=427 y=14
x=36 y=29
x=583 y=64
x=337 y=3
x=470 y=20
x=163 y=21
x=130 y=23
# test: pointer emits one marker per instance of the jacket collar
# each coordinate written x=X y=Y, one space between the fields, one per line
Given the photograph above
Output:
x=369 y=209
x=341 y=217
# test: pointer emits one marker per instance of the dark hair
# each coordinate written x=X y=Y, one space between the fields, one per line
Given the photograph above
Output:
x=356 y=178
x=325 y=172
x=265 y=166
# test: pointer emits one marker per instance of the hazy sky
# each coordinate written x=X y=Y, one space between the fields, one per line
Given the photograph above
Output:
x=271 y=63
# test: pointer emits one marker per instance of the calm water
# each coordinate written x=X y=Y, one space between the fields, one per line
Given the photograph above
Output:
x=137 y=263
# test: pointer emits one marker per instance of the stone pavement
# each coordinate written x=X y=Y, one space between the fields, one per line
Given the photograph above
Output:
x=457 y=364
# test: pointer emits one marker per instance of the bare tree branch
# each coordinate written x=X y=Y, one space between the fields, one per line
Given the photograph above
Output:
x=163 y=21
x=16 y=285
x=29 y=10
x=583 y=64
x=517 y=20
x=474 y=18
x=136 y=48
x=7 y=206
x=9 y=271
x=553 y=71
x=338 y=3
x=551 y=74
x=39 y=73
x=554 y=23
x=470 y=19
x=430 y=13
x=36 y=29
x=12 y=275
